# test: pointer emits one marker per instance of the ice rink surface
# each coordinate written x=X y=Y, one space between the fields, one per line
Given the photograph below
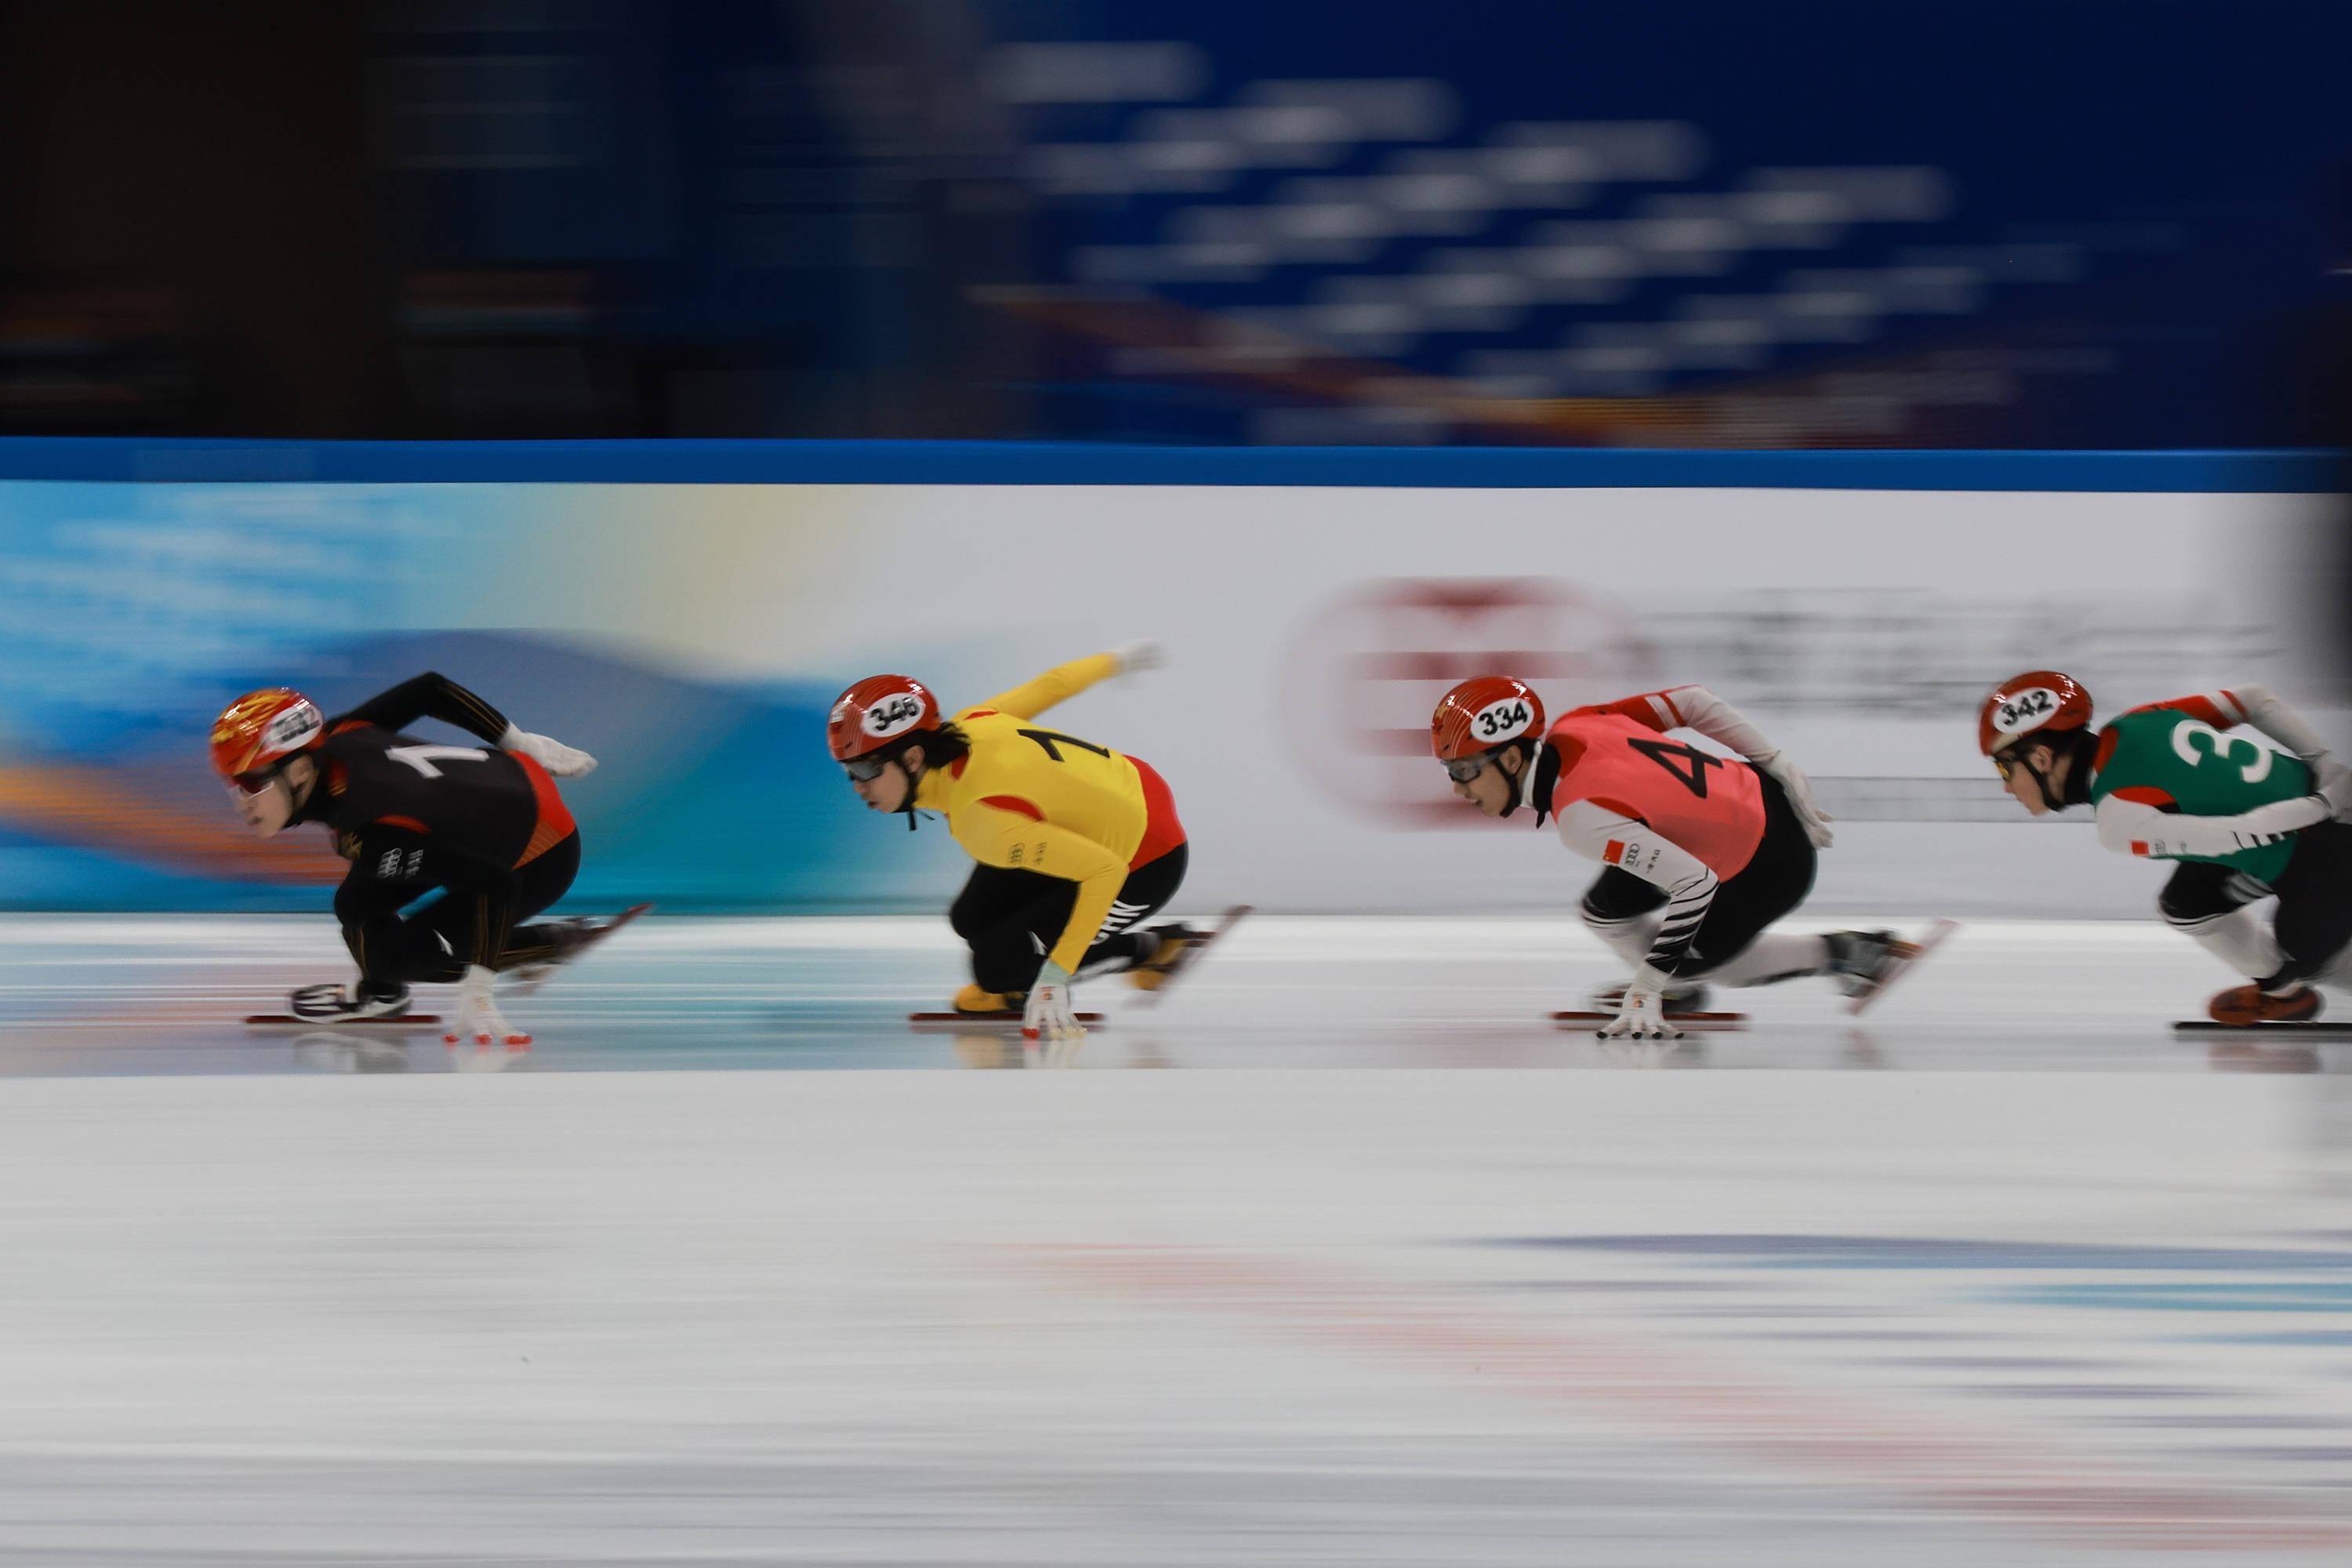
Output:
x=2008 y=1274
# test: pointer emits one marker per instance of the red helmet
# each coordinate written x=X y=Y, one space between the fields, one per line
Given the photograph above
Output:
x=876 y=712
x=264 y=728
x=1482 y=714
x=2040 y=701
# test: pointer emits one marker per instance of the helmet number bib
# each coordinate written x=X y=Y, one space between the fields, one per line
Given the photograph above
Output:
x=2025 y=711
x=891 y=717
x=1500 y=721
x=1666 y=754
x=2224 y=749
x=421 y=757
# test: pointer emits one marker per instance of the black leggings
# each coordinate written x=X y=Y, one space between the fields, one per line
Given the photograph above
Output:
x=1011 y=920
x=2314 y=922
x=433 y=945
x=1774 y=883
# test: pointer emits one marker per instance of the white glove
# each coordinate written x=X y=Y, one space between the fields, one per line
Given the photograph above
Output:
x=2331 y=780
x=1136 y=657
x=478 y=1019
x=563 y=762
x=1799 y=791
x=1639 y=1018
x=1048 y=1014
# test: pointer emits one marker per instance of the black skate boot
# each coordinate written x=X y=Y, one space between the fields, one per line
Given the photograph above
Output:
x=331 y=1004
x=567 y=939
x=1863 y=963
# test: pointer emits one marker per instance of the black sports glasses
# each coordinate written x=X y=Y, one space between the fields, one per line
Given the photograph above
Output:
x=865 y=770
x=1462 y=770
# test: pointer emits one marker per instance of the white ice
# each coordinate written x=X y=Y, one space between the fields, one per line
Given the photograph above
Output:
x=2049 y=1286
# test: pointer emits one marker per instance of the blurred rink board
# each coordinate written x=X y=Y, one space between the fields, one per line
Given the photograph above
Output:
x=685 y=610
x=1513 y=1317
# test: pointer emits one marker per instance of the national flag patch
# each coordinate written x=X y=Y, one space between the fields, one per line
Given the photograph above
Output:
x=1615 y=852
x=2139 y=845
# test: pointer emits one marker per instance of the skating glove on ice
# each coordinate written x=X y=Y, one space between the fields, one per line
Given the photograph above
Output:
x=1048 y=1016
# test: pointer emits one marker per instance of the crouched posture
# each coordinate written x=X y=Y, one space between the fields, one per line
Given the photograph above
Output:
x=1077 y=844
x=2170 y=782
x=1701 y=853
x=482 y=827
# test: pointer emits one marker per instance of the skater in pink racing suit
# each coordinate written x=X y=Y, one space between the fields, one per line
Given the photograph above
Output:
x=1700 y=852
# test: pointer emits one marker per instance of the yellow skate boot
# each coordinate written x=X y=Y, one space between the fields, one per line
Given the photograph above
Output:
x=973 y=1000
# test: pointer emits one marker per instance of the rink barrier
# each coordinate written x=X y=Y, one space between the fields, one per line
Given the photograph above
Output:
x=120 y=460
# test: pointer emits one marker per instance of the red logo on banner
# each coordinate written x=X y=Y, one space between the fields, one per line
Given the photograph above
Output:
x=1378 y=660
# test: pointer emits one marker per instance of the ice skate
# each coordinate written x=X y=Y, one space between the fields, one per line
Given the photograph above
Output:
x=973 y=1007
x=2242 y=1006
x=1180 y=947
x=570 y=938
x=972 y=1002
x=1863 y=963
x=333 y=1005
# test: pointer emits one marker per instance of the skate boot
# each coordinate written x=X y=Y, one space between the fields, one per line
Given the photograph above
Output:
x=1861 y=962
x=972 y=1000
x=331 y=1004
x=1178 y=943
x=568 y=938
x=1675 y=1001
x=2242 y=1006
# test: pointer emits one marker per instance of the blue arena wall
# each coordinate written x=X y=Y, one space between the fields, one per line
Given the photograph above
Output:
x=685 y=610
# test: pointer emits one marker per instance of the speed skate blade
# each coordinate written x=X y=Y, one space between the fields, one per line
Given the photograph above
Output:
x=2306 y=1028
x=1688 y=1022
x=525 y=987
x=953 y=1021
x=1192 y=955
x=1929 y=941
x=374 y=1026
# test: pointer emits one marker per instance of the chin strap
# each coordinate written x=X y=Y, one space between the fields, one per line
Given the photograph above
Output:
x=1542 y=774
x=909 y=808
x=2080 y=746
x=1530 y=778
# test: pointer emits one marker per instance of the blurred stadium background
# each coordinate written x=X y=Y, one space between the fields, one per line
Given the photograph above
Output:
x=1822 y=223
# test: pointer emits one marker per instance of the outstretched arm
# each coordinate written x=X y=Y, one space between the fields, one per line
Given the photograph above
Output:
x=1064 y=681
x=431 y=695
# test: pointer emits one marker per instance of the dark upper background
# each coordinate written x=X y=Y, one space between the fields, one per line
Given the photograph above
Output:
x=2103 y=223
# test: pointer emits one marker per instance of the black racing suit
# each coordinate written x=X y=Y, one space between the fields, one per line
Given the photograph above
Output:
x=482 y=828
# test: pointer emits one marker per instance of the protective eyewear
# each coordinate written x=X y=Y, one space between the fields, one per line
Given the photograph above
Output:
x=1462 y=770
x=257 y=782
x=865 y=770
x=2005 y=766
